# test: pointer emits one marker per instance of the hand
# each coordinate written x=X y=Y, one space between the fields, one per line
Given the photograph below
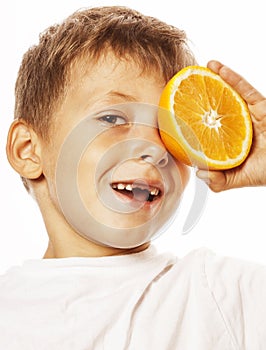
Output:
x=253 y=171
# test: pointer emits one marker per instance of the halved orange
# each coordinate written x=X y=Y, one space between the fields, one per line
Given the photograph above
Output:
x=203 y=121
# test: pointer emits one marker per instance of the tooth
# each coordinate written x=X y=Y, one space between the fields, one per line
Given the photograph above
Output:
x=120 y=187
x=154 y=192
x=130 y=187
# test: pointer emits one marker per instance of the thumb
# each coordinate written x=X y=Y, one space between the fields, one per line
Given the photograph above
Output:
x=216 y=180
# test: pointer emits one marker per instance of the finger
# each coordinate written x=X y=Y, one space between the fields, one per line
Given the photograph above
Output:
x=259 y=110
x=216 y=180
x=215 y=66
x=238 y=83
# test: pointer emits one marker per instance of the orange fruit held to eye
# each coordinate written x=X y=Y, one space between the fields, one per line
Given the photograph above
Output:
x=203 y=121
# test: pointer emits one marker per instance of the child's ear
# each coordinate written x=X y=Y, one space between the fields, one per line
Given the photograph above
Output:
x=24 y=150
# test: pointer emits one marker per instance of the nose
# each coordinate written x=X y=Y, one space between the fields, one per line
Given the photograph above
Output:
x=149 y=147
x=155 y=156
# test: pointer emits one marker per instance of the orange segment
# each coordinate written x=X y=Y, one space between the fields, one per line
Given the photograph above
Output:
x=203 y=121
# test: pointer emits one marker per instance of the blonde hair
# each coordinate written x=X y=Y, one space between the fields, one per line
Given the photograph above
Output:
x=44 y=73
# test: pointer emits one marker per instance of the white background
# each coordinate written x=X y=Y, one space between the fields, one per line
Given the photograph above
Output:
x=233 y=222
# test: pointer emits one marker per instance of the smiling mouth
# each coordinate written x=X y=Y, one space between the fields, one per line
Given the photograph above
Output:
x=137 y=191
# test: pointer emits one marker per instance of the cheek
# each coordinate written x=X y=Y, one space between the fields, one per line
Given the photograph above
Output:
x=98 y=149
x=49 y=161
x=177 y=181
x=183 y=173
x=180 y=182
x=88 y=165
x=49 y=166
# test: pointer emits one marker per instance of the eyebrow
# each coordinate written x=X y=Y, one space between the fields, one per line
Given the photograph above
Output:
x=113 y=94
x=121 y=95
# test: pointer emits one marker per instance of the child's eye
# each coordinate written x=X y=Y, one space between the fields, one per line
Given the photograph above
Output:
x=113 y=119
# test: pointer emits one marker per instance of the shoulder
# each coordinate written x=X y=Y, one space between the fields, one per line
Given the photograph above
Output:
x=220 y=269
x=239 y=290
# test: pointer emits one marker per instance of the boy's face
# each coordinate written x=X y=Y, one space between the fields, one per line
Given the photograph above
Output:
x=107 y=169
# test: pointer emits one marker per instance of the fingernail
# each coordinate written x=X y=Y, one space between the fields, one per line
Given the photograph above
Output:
x=204 y=176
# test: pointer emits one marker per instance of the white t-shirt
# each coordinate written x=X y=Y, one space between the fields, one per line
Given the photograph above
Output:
x=143 y=301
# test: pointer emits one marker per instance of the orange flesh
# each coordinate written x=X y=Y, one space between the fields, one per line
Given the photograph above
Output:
x=196 y=97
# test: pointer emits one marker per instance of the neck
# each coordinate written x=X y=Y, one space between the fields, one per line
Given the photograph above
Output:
x=55 y=250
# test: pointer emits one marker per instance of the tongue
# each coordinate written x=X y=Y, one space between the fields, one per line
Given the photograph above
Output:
x=140 y=195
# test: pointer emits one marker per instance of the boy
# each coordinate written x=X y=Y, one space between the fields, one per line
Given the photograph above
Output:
x=86 y=144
